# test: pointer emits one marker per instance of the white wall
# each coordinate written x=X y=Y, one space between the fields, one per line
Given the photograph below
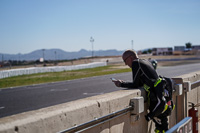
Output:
x=33 y=70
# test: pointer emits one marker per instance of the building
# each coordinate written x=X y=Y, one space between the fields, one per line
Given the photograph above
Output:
x=162 y=51
x=179 y=48
x=182 y=50
x=196 y=47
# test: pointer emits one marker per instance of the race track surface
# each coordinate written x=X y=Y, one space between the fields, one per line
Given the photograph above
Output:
x=26 y=98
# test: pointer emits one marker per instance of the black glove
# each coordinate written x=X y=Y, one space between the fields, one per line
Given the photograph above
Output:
x=148 y=117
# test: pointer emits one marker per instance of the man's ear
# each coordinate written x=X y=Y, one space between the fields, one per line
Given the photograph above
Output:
x=132 y=57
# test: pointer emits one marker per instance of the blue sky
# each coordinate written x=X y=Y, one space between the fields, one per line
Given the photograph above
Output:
x=27 y=25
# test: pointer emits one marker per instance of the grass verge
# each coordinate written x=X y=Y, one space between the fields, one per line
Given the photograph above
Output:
x=59 y=76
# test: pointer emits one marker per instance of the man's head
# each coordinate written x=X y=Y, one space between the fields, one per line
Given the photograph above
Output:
x=128 y=57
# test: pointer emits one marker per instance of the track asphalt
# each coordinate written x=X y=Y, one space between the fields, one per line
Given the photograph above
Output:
x=27 y=98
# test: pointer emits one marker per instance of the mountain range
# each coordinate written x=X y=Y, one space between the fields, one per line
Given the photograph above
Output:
x=58 y=54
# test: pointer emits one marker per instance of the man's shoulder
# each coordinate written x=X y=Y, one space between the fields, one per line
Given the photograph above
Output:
x=139 y=60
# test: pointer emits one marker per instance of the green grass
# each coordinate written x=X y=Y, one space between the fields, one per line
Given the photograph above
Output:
x=59 y=76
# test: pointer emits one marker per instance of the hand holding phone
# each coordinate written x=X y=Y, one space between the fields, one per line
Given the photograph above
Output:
x=113 y=79
x=117 y=82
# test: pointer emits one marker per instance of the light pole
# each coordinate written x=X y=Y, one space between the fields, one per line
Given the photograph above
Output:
x=55 y=57
x=18 y=59
x=132 y=44
x=2 y=58
x=2 y=61
x=92 y=41
x=43 y=57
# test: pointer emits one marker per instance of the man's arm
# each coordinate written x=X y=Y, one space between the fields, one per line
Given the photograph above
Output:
x=136 y=72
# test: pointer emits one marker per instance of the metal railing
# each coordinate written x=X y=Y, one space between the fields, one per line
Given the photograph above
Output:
x=184 y=126
x=136 y=106
x=97 y=121
x=195 y=84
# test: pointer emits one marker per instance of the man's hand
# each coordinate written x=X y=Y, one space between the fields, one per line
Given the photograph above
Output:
x=118 y=83
x=148 y=117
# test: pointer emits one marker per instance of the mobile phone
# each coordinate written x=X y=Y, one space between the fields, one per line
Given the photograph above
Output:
x=113 y=79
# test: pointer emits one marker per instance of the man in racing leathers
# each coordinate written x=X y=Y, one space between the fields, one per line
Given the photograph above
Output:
x=160 y=106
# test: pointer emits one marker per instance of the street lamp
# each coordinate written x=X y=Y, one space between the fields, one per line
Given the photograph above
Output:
x=132 y=44
x=43 y=57
x=43 y=53
x=55 y=58
x=18 y=62
x=92 y=41
x=55 y=55
x=2 y=60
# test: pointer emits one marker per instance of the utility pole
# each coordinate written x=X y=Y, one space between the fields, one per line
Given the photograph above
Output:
x=55 y=55
x=43 y=57
x=2 y=58
x=19 y=56
x=55 y=58
x=132 y=44
x=18 y=62
x=92 y=41
x=2 y=61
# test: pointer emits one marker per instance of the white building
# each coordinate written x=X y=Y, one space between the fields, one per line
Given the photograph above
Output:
x=162 y=51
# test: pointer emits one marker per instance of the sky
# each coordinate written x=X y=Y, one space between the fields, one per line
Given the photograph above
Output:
x=28 y=25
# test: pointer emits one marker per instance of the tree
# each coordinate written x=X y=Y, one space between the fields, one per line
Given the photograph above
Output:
x=144 y=52
x=149 y=51
x=188 y=45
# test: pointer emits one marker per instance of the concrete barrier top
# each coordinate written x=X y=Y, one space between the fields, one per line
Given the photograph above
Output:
x=192 y=77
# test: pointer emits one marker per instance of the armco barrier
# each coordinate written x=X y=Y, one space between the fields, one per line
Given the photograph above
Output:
x=68 y=115
x=25 y=71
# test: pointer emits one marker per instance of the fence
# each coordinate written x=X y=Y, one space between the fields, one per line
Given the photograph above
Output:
x=33 y=70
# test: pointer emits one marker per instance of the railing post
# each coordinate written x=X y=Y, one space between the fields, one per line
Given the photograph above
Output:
x=187 y=88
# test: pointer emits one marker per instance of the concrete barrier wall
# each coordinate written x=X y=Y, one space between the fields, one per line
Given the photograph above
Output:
x=57 y=118
x=63 y=116
x=33 y=70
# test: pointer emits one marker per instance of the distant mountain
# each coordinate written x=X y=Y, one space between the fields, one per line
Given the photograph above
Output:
x=58 y=54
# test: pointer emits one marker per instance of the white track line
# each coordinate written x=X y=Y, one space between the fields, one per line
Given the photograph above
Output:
x=92 y=93
x=2 y=107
